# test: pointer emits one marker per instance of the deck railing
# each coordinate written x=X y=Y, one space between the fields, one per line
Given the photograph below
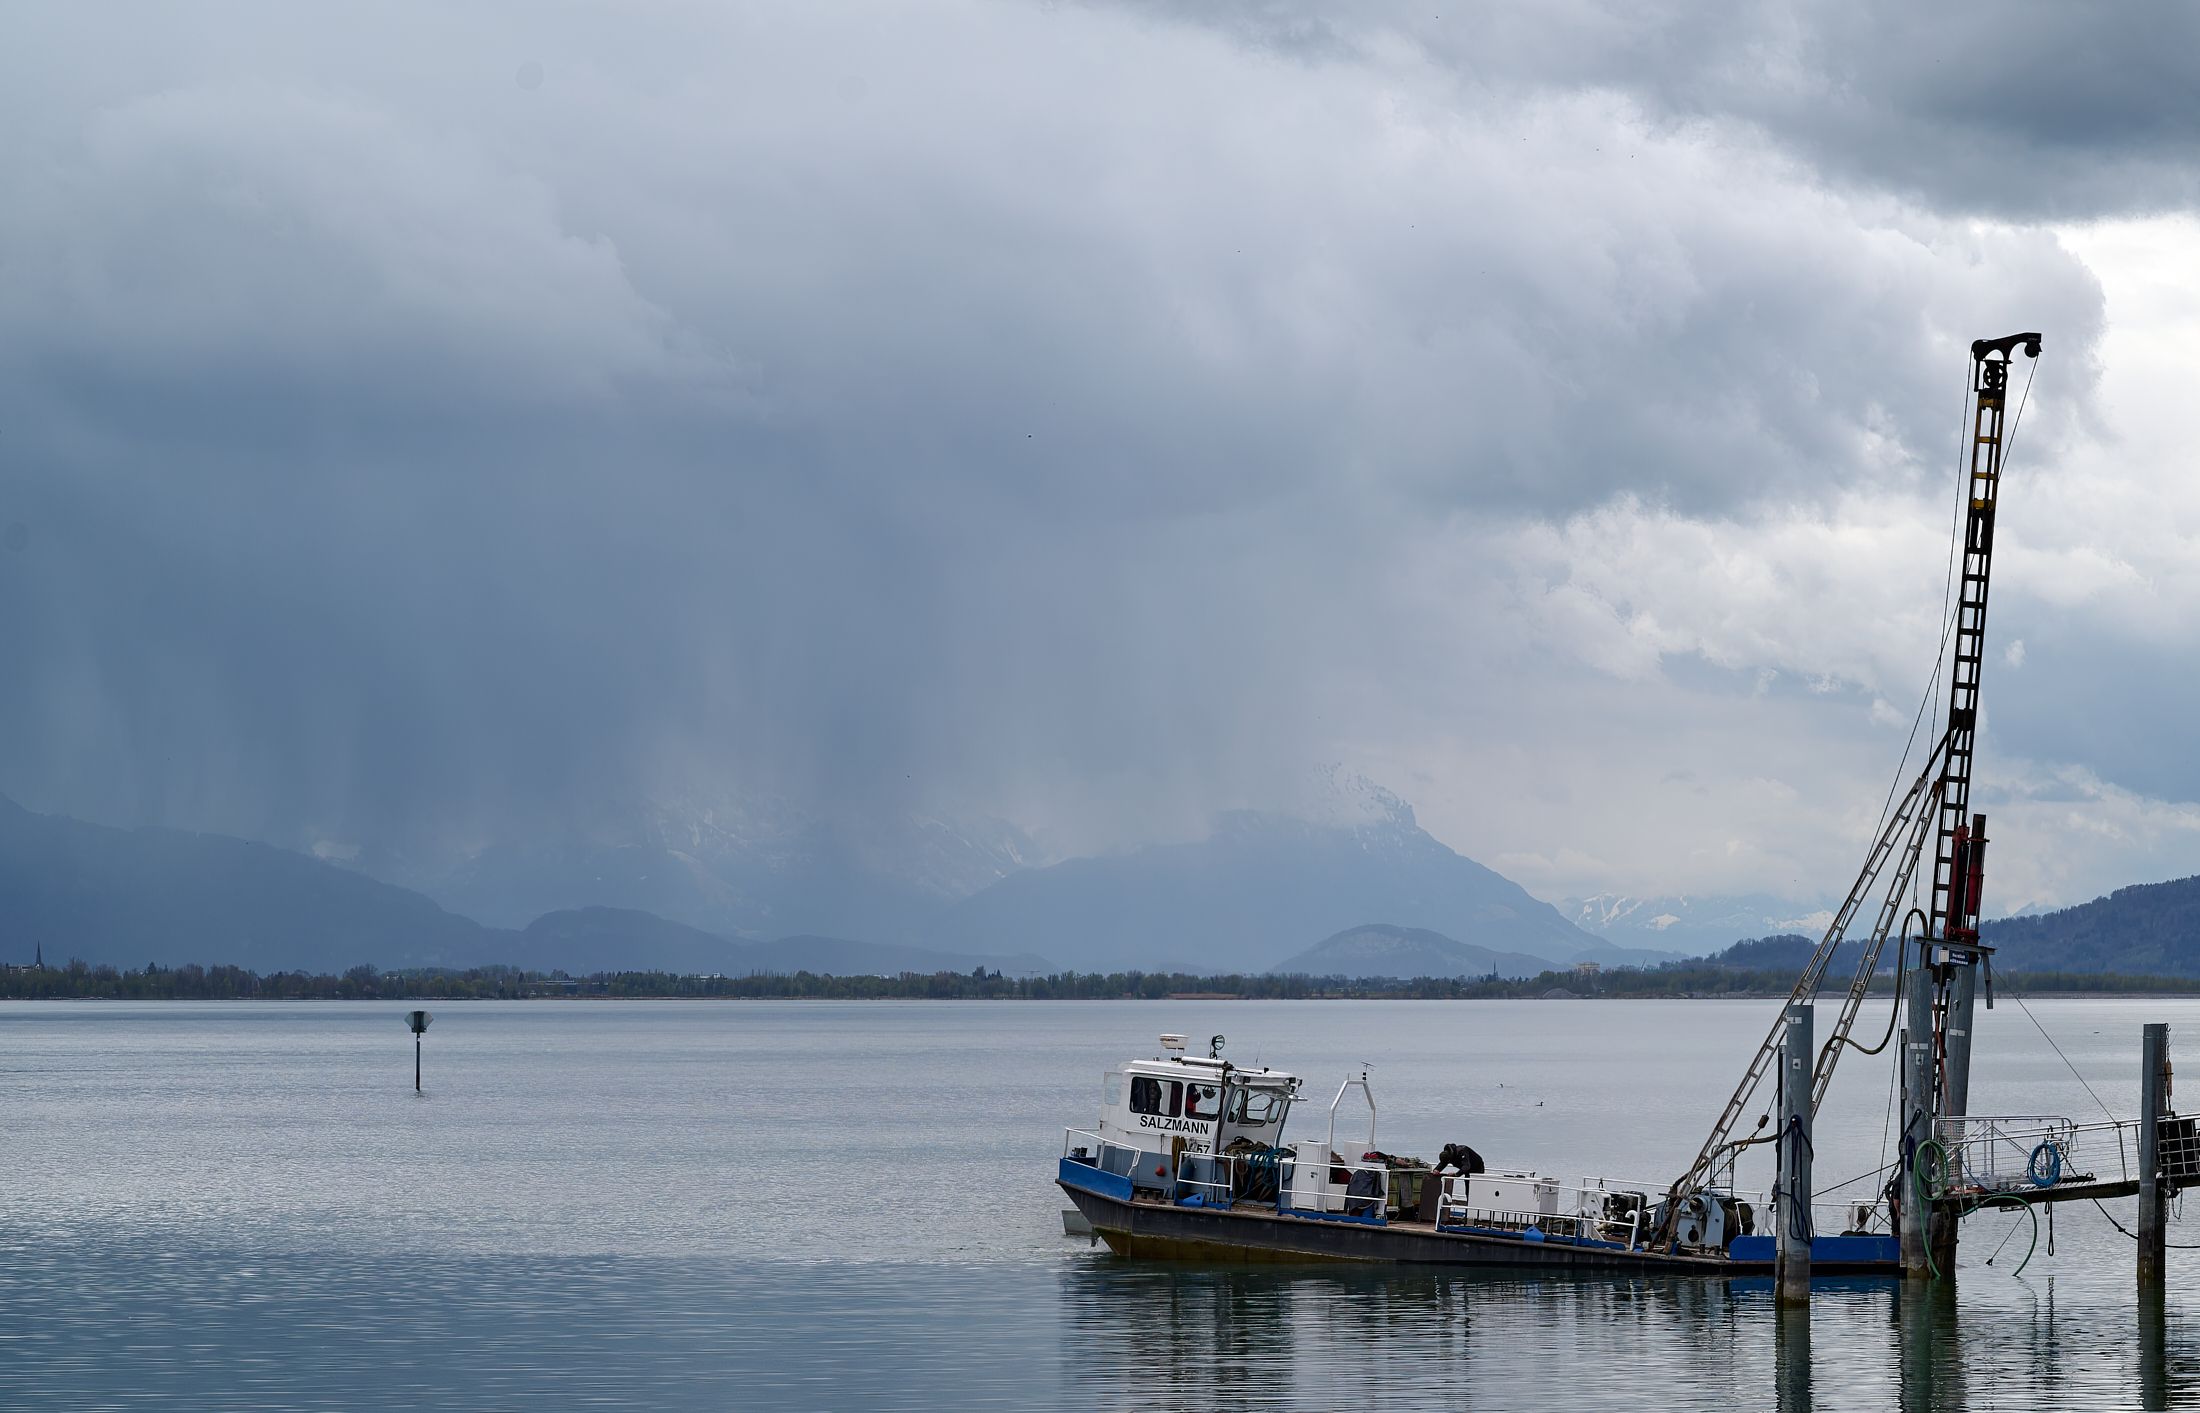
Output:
x=2003 y=1153
x=1333 y=1198
x=1586 y=1222
x=1099 y=1151
x=1220 y=1182
x=1991 y=1153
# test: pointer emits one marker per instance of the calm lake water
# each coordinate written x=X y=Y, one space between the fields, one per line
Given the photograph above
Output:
x=830 y=1206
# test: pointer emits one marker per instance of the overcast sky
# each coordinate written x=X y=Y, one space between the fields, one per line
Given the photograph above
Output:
x=422 y=422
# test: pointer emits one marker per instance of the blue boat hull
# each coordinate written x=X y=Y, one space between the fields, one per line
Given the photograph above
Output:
x=1147 y=1227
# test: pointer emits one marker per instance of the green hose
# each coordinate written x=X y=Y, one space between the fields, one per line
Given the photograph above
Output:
x=1929 y=1148
x=2007 y=1201
x=1935 y=1177
x=1931 y=1159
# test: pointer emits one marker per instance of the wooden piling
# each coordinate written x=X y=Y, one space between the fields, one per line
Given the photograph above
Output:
x=1791 y=1252
x=2153 y=1067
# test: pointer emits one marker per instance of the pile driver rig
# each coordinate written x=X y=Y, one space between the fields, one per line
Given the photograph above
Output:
x=1937 y=1064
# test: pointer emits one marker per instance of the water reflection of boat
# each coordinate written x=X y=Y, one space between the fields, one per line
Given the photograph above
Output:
x=1370 y=1337
x=1189 y=1161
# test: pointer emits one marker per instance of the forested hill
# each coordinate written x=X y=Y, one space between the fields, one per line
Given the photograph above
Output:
x=1785 y=953
x=2151 y=928
x=2148 y=929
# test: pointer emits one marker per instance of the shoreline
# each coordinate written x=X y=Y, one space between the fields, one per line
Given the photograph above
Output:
x=2191 y=992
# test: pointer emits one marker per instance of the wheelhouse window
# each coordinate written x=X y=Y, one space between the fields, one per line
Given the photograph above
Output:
x=1255 y=1106
x=1111 y=1090
x=1156 y=1096
x=1202 y=1101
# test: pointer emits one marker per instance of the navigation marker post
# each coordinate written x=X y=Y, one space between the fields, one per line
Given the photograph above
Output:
x=418 y=1020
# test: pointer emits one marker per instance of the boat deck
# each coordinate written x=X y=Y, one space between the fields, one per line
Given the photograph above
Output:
x=1149 y=1225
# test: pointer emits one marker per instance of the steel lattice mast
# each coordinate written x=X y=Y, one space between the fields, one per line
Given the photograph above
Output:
x=1944 y=802
x=1959 y=837
x=1958 y=846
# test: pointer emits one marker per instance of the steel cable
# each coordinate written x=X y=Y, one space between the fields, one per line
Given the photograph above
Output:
x=2172 y=1245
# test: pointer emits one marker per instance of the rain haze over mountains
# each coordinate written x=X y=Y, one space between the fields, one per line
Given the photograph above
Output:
x=1108 y=482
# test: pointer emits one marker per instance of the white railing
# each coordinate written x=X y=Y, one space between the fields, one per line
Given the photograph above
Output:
x=1099 y=1150
x=1991 y=1153
x=1456 y=1213
x=1838 y=1219
x=1218 y=1177
x=1585 y=1222
x=2005 y=1153
x=1327 y=1194
x=1217 y=1191
x=1857 y=1218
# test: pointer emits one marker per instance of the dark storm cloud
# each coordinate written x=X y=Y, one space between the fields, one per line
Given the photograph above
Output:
x=1023 y=405
x=2030 y=110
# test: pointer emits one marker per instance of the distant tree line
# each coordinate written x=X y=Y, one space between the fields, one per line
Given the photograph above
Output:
x=79 y=981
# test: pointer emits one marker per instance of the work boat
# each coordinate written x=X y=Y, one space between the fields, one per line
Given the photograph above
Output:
x=1189 y=1161
x=1190 y=1157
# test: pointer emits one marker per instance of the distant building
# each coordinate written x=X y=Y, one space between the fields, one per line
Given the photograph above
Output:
x=1587 y=968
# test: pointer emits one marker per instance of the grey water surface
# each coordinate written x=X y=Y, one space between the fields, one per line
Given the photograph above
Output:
x=821 y=1205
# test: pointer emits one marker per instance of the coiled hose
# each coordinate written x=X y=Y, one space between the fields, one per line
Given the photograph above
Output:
x=1256 y=1176
x=1929 y=1174
x=1928 y=1171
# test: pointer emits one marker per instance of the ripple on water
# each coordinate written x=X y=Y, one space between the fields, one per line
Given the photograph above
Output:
x=825 y=1207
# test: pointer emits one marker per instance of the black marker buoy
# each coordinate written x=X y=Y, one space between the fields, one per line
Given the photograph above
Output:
x=418 y=1020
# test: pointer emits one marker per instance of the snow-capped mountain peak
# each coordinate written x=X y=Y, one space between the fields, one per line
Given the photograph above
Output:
x=1693 y=923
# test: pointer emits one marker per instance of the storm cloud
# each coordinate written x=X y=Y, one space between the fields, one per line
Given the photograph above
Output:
x=428 y=424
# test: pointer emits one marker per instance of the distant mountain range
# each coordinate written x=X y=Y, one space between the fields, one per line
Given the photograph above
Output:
x=740 y=868
x=1262 y=885
x=133 y=896
x=1692 y=925
x=128 y=897
x=583 y=940
x=1259 y=887
x=1381 y=950
x=1260 y=890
